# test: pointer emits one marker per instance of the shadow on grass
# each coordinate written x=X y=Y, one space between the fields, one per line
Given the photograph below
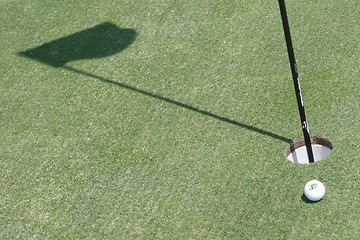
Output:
x=180 y=104
x=102 y=40
x=105 y=40
x=306 y=200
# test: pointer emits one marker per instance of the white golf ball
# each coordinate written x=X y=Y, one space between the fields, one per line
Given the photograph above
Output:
x=314 y=190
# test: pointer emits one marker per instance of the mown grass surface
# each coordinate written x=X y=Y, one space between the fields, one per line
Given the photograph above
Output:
x=180 y=135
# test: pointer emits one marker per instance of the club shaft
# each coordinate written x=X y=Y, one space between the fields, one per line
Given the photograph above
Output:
x=296 y=80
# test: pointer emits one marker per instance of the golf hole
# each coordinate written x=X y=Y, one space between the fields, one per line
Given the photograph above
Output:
x=297 y=153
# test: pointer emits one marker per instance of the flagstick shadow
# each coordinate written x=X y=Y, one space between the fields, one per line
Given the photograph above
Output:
x=180 y=104
x=103 y=40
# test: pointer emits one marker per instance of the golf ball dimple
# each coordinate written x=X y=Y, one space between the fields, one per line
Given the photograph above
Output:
x=314 y=190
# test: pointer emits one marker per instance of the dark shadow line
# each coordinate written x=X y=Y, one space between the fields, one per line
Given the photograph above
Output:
x=180 y=104
x=306 y=200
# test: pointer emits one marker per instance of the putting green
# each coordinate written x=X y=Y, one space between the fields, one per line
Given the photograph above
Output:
x=169 y=119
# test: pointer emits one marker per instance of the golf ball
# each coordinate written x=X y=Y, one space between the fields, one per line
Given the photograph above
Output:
x=314 y=190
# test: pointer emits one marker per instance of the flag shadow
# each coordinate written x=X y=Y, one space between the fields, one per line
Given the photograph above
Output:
x=100 y=41
x=107 y=39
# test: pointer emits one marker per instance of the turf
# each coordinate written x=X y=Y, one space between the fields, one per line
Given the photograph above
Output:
x=180 y=134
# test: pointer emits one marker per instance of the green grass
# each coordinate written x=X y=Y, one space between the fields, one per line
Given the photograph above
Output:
x=181 y=135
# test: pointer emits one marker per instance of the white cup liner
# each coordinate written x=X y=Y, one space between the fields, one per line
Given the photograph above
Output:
x=297 y=152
